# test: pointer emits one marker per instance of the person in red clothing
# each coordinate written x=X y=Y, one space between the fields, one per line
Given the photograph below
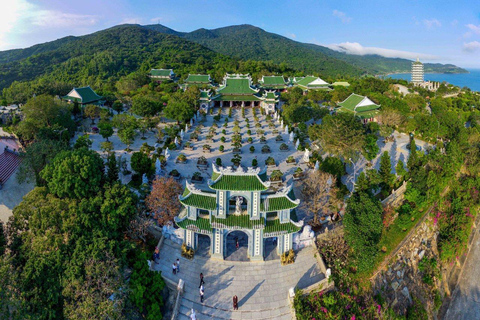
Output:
x=235 y=303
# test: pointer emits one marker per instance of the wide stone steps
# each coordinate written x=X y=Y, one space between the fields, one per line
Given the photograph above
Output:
x=204 y=311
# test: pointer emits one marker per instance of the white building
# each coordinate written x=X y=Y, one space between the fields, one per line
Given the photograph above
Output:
x=417 y=72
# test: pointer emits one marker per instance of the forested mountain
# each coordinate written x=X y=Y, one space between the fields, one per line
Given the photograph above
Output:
x=102 y=58
x=250 y=42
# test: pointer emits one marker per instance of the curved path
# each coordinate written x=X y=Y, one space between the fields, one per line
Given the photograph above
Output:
x=261 y=287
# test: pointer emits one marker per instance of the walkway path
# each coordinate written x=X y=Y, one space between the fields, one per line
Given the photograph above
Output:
x=261 y=287
x=465 y=302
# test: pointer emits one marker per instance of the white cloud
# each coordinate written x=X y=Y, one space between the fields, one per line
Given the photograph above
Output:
x=471 y=46
x=342 y=16
x=473 y=28
x=57 y=19
x=10 y=14
x=131 y=20
x=291 y=35
x=357 y=49
x=432 y=23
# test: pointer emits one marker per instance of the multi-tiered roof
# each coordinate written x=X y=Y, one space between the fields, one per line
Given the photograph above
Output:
x=198 y=79
x=237 y=87
x=360 y=106
x=311 y=82
x=273 y=82
x=84 y=95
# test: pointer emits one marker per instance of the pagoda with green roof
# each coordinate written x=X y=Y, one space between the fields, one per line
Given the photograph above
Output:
x=311 y=83
x=239 y=200
x=202 y=80
x=361 y=106
x=84 y=96
x=237 y=90
x=162 y=74
x=273 y=83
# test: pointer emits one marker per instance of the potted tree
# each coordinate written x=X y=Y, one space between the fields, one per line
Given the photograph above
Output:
x=263 y=139
x=223 y=139
x=221 y=148
x=290 y=160
x=250 y=140
x=254 y=163
x=260 y=132
x=236 y=160
x=283 y=147
x=181 y=158
x=279 y=138
x=188 y=146
x=197 y=177
x=270 y=162
x=210 y=137
x=202 y=162
x=194 y=136
x=224 y=132
x=298 y=174
x=206 y=148
x=275 y=131
x=252 y=149
x=218 y=162
x=175 y=174
x=265 y=149
x=237 y=147
x=276 y=176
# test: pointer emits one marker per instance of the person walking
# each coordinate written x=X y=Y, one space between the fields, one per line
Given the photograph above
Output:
x=192 y=315
x=174 y=268
x=202 y=292
x=236 y=243
x=235 y=303
x=156 y=255
x=201 y=280
x=178 y=265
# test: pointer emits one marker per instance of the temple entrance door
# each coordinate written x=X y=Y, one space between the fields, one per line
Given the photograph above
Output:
x=203 y=245
x=270 y=248
x=232 y=252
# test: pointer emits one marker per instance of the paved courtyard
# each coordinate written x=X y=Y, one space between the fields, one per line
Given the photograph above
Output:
x=261 y=287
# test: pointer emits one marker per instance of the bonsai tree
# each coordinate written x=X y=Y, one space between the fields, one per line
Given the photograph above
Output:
x=188 y=145
x=236 y=122
x=275 y=131
x=290 y=159
x=223 y=139
x=194 y=136
x=279 y=138
x=212 y=130
x=270 y=161
x=236 y=159
x=237 y=138
x=229 y=112
x=174 y=173
x=249 y=132
x=226 y=123
x=263 y=139
x=247 y=125
x=206 y=147
x=260 y=131
x=250 y=140
x=181 y=157
x=197 y=176
x=258 y=125
x=236 y=129
x=224 y=131
x=221 y=148
x=298 y=172
x=254 y=163
x=236 y=145
x=266 y=149
x=252 y=149
x=218 y=162
x=283 y=147
x=276 y=175
x=202 y=160
x=210 y=136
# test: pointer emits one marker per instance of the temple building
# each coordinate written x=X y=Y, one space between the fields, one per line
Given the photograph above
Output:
x=237 y=91
x=362 y=107
x=311 y=83
x=162 y=74
x=277 y=83
x=417 y=72
x=201 y=80
x=84 y=96
x=239 y=201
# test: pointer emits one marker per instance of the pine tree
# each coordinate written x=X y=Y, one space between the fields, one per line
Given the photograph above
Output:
x=413 y=158
x=400 y=168
x=112 y=168
x=385 y=171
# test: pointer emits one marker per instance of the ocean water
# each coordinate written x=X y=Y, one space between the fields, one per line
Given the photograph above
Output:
x=471 y=80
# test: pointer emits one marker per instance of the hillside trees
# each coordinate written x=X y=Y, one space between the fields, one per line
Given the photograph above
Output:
x=163 y=199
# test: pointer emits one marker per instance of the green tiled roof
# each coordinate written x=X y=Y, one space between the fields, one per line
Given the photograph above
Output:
x=341 y=83
x=196 y=225
x=238 y=183
x=273 y=82
x=274 y=226
x=87 y=95
x=161 y=72
x=204 y=95
x=200 y=201
x=271 y=96
x=305 y=82
x=236 y=86
x=198 y=78
x=279 y=203
x=350 y=105
x=241 y=222
x=223 y=97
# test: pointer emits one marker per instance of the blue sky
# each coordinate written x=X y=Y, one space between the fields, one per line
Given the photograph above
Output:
x=436 y=31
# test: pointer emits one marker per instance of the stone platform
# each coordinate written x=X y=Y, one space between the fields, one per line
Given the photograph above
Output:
x=261 y=287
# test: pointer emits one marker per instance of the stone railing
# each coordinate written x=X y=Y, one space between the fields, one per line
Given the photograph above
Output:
x=396 y=196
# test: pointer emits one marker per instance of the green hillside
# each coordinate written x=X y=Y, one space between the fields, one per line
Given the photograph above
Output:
x=249 y=42
x=102 y=58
